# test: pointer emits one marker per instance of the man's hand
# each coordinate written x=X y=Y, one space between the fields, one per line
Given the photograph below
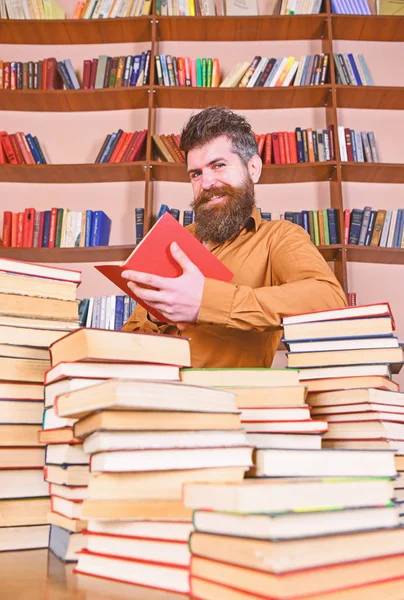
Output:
x=178 y=299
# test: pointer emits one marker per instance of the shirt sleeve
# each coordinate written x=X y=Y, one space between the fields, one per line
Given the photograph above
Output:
x=301 y=282
x=139 y=321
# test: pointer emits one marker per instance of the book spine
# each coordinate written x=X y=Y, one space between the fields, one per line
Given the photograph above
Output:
x=6 y=237
x=355 y=226
x=139 y=217
x=371 y=226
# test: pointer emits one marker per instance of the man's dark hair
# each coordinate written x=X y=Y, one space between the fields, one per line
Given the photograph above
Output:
x=214 y=122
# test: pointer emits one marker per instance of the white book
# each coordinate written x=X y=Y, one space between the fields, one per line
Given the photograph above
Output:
x=70 y=229
x=390 y=237
x=291 y=74
x=112 y=307
x=103 y=312
x=320 y=145
x=89 y=9
x=278 y=72
x=107 y=311
x=300 y=68
x=350 y=69
x=77 y=234
x=385 y=230
x=241 y=8
x=359 y=147
x=258 y=72
x=342 y=144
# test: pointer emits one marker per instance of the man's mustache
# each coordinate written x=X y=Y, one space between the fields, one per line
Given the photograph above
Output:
x=207 y=195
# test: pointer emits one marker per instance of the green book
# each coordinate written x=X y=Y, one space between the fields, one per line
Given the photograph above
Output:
x=311 y=226
x=59 y=223
x=209 y=67
x=204 y=73
x=326 y=228
x=198 y=64
x=316 y=230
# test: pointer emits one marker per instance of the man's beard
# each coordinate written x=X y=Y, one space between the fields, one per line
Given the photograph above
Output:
x=223 y=221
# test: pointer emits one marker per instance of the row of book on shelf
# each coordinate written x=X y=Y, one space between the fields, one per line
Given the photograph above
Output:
x=122 y=146
x=18 y=148
x=367 y=227
x=351 y=69
x=109 y=9
x=221 y=483
x=98 y=73
x=105 y=312
x=55 y=228
x=357 y=146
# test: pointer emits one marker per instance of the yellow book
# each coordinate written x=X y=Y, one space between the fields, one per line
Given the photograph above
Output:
x=146 y=8
x=378 y=228
x=289 y=64
x=235 y=75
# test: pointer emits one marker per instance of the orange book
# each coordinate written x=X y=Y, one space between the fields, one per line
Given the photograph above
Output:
x=28 y=227
x=20 y=229
x=261 y=143
x=321 y=227
x=287 y=148
x=129 y=137
x=285 y=71
x=292 y=147
x=14 y=228
x=268 y=149
x=169 y=147
x=44 y=73
x=310 y=147
x=6 y=237
x=152 y=255
x=79 y=7
x=16 y=148
x=215 y=73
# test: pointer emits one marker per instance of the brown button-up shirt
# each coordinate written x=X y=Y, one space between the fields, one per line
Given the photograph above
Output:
x=277 y=272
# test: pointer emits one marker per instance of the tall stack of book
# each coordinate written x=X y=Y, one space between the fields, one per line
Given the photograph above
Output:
x=272 y=403
x=145 y=439
x=347 y=358
x=78 y=362
x=284 y=538
x=30 y=298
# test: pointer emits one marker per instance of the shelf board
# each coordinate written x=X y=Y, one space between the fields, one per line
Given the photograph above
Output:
x=74 y=100
x=330 y=253
x=372 y=172
x=165 y=171
x=369 y=254
x=71 y=173
x=228 y=29
x=369 y=96
x=367 y=28
x=242 y=98
x=68 y=255
x=75 y=31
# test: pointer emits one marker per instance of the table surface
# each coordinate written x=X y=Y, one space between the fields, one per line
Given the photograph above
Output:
x=39 y=575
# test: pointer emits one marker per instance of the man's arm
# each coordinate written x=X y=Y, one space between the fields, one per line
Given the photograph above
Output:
x=302 y=282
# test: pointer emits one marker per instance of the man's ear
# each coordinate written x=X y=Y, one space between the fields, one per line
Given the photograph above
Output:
x=254 y=167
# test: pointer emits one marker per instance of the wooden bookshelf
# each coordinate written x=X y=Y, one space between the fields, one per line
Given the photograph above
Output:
x=367 y=28
x=242 y=98
x=228 y=29
x=73 y=173
x=374 y=254
x=75 y=31
x=165 y=171
x=373 y=172
x=75 y=100
x=370 y=97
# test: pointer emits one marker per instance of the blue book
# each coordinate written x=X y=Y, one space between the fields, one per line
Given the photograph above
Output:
x=132 y=305
x=307 y=69
x=135 y=70
x=83 y=310
x=355 y=226
x=164 y=70
x=142 y=64
x=188 y=217
x=126 y=308
x=118 y=323
x=371 y=226
x=266 y=216
x=299 y=144
x=355 y=69
x=163 y=208
x=354 y=149
x=332 y=214
x=288 y=216
x=107 y=149
x=297 y=218
x=305 y=220
x=101 y=229
x=38 y=147
x=89 y=224
x=139 y=219
x=46 y=228
x=398 y=231
x=33 y=149
x=174 y=212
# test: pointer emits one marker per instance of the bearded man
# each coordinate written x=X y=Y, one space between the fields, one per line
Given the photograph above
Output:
x=277 y=270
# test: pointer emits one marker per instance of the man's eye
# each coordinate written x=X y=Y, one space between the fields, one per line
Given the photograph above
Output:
x=195 y=174
x=218 y=165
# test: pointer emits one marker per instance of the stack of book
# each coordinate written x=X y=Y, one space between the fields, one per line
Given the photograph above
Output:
x=272 y=405
x=279 y=72
x=115 y=72
x=46 y=74
x=351 y=69
x=185 y=71
x=357 y=146
x=298 y=146
x=146 y=438
x=368 y=227
x=97 y=9
x=20 y=149
x=55 y=228
x=303 y=537
x=322 y=225
x=30 y=297
x=168 y=148
x=86 y=358
x=105 y=312
x=121 y=146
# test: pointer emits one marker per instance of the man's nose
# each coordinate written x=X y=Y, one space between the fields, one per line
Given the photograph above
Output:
x=208 y=179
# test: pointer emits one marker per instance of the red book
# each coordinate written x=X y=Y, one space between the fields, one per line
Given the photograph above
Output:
x=348 y=143
x=152 y=255
x=8 y=148
x=6 y=238
x=292 y=147
x=282 y=152
x=28 y=227
x=14 y=227
x=128 y=139
x=93 y=73
x=268 y=148
x=181 y=71
x=20 y=229
x=2 y=155
x=44 y=73
x=86 y=74
x=287 y=149
x=347 y=222
x=260 y=144
x=52 y=227
x=16 y=147
x=276 y=148
x=6 y=69
x=134 y=155
x=118 y=147
x=51 y=80
x=130 y=147
x=331 y=140
x=25 y=149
